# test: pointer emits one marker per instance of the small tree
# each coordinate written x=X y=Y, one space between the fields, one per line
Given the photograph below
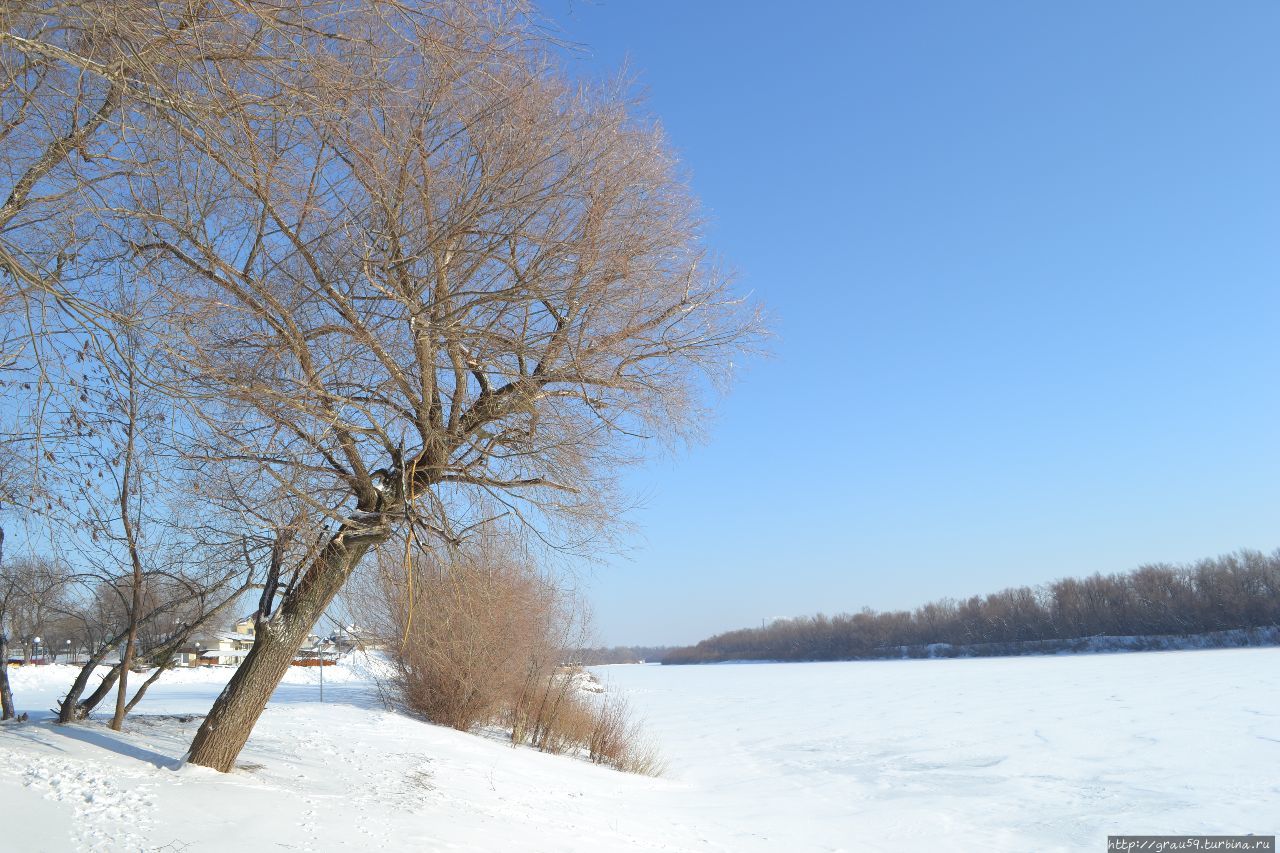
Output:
x=11 y=485
x=6 y=590
x=32 y=591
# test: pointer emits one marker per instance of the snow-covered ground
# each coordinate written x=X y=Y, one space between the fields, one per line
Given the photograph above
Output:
x=1048 y=753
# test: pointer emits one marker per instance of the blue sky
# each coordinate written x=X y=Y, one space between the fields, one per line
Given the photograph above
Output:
x=1023 y=263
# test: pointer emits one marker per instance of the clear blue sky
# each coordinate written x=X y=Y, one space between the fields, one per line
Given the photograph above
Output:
x=1024 y=261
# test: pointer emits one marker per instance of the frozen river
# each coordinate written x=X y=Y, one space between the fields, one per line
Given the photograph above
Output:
x=1032 y=753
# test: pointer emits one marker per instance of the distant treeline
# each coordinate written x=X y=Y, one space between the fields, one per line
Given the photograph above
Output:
x=1241 y=590
x=621 y=654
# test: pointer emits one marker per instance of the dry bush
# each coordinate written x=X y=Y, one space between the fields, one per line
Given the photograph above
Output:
x=481 y=637
x=616 y=740
x=604 y=731
x=563 y=728
x=542 y=710
x=467 y=630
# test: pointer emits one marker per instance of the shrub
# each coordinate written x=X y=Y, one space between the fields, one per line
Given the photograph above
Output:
x=467 y=632
x=616 y=740
x=482 y=638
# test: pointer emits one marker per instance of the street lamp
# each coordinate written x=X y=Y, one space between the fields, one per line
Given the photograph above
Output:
x=68 y=648
x=35 y=651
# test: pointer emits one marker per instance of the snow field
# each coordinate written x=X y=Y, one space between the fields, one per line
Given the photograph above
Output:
x=1048 y=753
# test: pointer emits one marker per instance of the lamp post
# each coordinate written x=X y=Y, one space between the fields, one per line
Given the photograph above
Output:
x=35 y=651
x=68 y=649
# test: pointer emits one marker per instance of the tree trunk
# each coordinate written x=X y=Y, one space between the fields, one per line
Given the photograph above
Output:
x=226 y=729
x=6 y=695
x=85 y=707
x=126 y=661
x=67 y=710
x=142 y=691
x=72 y=709
x=162 y=656
x=135 y=559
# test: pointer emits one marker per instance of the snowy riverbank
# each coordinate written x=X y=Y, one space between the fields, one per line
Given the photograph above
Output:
x=1044 y=753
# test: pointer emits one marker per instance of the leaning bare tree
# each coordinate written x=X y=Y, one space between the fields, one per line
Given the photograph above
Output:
x=413 y=272
x=419 y=273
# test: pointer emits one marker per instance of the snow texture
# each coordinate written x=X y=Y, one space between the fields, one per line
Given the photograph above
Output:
x=1027 y=753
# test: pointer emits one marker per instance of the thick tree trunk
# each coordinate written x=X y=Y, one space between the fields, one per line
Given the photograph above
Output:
x=6 y=695
x=226 y=729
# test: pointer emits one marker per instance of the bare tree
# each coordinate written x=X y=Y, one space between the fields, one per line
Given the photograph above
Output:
x=32 y=590
x=441 y=277
x=415 y=276
x=156 y=565
x=7 y=478
x=6 y=692
x=118 y=440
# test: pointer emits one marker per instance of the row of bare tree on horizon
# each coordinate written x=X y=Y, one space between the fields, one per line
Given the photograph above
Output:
x=1235 y=591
